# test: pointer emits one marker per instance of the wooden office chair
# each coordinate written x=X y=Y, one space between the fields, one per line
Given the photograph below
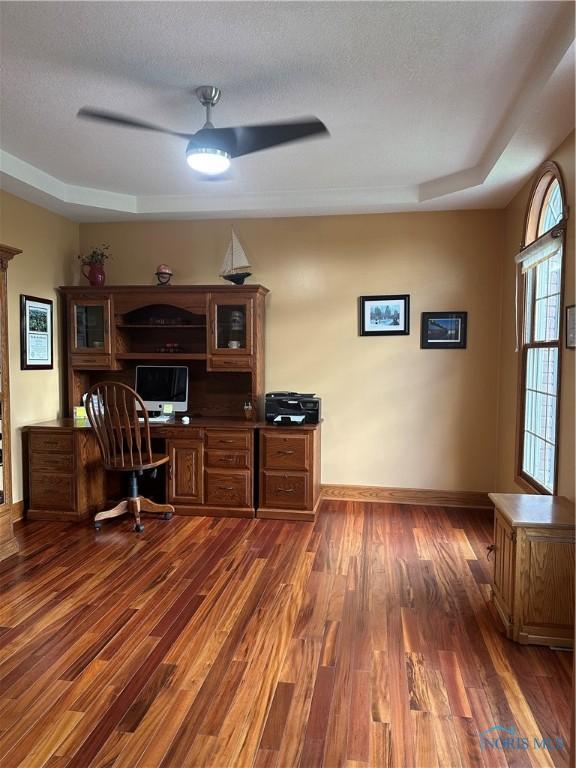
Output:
x=125 y=446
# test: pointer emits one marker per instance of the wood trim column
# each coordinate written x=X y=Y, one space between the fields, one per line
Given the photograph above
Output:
x=8 y=543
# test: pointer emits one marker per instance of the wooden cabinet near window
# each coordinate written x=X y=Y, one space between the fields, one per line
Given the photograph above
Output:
x=533 y=580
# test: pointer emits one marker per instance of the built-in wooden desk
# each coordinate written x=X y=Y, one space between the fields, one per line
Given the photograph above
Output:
x=533 y=583
x=220 y=467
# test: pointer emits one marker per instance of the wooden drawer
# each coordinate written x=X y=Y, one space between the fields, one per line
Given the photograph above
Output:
x=91 y=362
x=239 y=439
x=281 y=490
x=230 y=459
x=177 y=432
x=236 y=363
x=48 y=491
x=282 y=451
x=59 y=463
x=227 y=489
x=51 y=440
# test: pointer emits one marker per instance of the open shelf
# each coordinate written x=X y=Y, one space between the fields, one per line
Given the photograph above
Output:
x=163 y=326
x=168 y=356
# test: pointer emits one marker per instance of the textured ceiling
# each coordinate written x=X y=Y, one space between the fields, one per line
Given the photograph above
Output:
x=429 y=104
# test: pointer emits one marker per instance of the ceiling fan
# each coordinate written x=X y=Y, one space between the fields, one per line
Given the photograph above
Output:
x=210 y=149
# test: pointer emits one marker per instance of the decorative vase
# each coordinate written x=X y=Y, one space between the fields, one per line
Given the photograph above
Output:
x=95 y=274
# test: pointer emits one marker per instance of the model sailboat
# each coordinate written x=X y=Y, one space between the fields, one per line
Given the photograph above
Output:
x=235 y=267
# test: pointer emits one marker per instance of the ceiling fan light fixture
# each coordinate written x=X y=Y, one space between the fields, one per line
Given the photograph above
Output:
x=207 y=160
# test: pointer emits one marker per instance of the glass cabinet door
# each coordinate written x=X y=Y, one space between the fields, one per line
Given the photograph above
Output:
x=90 y=325
x=231 y=325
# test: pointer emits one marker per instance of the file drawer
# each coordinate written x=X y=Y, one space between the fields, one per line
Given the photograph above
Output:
x=228 y=489
x=286 y=451
x=285 y=490
x=49 y=491
x=58 y=463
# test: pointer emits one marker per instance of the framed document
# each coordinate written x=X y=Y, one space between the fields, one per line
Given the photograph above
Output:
x=36 y=331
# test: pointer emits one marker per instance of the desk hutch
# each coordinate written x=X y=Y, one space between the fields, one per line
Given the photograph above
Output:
x=221 y=463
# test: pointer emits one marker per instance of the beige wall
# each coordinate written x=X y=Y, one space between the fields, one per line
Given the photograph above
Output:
x=395 y=415
x=514 y=219
x=49 y=244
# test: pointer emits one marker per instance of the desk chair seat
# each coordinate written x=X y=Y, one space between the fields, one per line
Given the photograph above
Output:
x=114 y=410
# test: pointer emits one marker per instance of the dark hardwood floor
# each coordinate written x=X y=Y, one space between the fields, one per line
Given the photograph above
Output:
x=362 y=640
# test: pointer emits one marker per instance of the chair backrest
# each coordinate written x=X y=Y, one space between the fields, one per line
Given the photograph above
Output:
x=112 y=410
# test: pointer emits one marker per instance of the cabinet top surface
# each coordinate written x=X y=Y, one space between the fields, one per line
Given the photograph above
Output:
x=165 y=289
x=65 y=423
x=525 y=509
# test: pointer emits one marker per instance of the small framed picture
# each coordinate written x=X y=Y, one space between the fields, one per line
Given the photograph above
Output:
x=35 y=333
x=571 y=326
x=384 y=315
x=443 y=330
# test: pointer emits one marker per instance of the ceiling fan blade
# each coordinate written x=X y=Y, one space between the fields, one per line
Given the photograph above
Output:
x=244 y=140
x=128 y=122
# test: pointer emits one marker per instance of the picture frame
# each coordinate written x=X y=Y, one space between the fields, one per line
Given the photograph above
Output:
x=384 y=315
x=571 y=326
x=444 y=330
x=36 y=333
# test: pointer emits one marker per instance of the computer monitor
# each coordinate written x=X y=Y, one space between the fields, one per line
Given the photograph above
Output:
x=160 y=385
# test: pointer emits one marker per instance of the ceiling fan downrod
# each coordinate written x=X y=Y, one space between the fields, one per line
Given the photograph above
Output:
x=208 y=96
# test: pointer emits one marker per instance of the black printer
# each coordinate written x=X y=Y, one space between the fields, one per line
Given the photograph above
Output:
x=292 y=408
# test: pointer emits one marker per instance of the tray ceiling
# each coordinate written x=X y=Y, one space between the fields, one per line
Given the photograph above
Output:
x=430 y=105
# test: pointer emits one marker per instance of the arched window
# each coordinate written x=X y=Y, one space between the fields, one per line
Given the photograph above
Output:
x=541 y=266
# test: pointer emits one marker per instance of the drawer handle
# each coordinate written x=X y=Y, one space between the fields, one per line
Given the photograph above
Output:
x=50 y=442
x=490 y=548
x=225 y=487
x=225 y=441
x=286 y=490
x=287 y=452
x=225 y=459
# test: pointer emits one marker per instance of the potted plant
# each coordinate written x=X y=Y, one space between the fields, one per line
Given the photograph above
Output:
x=93 y=265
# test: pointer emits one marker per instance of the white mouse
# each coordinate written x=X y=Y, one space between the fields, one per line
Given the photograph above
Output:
x=185 y=420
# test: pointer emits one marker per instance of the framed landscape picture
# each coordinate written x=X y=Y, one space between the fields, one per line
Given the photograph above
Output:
x=384 y=315
x=443 y=330
x=35 y=333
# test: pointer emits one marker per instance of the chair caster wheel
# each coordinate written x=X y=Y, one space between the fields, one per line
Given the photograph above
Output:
x=138 y=527
x=167 y=515
x=97 y=526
